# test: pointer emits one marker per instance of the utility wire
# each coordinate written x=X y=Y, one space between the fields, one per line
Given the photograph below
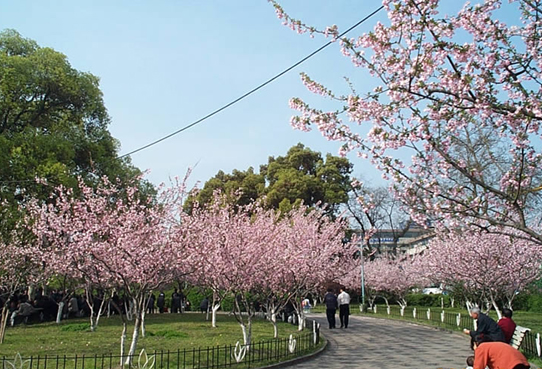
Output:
x=224 y=107
x=247 y=94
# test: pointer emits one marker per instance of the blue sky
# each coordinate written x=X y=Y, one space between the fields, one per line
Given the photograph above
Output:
x=164 y=64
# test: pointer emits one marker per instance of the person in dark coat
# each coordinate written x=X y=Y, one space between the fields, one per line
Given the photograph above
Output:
x=175 y=302
x=508 y=326
x=486 y=327
x=161 y=302
x=331 y=307
x=151 y=304
x=204 y=305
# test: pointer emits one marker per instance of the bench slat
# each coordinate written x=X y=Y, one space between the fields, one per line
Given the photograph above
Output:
x=519 y=335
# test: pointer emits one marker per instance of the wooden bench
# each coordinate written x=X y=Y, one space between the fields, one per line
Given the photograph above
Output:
x=519 y=335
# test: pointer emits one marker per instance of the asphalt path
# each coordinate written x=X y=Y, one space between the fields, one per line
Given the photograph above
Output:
x=386 y=344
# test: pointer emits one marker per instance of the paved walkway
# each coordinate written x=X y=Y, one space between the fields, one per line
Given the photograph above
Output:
x=386 y=344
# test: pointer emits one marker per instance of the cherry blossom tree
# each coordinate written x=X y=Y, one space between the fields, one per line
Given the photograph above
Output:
x=253 y=253
x=453 y=120
x=113 y=236
x=18 y=267
x=387 y=276
x=317 y=253
x=492 y=266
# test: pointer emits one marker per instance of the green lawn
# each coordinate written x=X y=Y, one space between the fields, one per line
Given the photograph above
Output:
x=164 y=332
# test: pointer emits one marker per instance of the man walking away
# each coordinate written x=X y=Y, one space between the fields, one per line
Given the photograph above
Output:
x=344 y=307
x=331 y=307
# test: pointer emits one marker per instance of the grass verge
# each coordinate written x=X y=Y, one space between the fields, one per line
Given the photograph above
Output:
x=164 y=332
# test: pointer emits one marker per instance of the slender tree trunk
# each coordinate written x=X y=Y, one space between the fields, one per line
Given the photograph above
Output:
x=90 y=303
x=122 y=341
x=59 y=312
x=387 y=303
x=4 y=322
x=135 y=338
x=213 y=318
x=247 y=332
x=300 y=320
x=274 y=322
x=143 y=310
x=100 y=311
x=92 y=323
x=494 y=303
x=31 y=292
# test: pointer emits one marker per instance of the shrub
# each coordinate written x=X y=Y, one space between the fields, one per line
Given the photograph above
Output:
x=419 y=299
x=77 y=327
x=535 y=303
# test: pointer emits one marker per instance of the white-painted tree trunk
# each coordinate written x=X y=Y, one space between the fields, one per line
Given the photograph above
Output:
x=452 y=302
x=60 y=312
x=94 y=321
x=213 y=318
x=469 y=305
x=122 y=342
x=300 y=321
x=100 y=311
x=207 y=313
x=31 y=291
x=274 y=322
x=135 y=338
x=4 y=322
x=247 y=334
x=143 y=329
x=496 y=307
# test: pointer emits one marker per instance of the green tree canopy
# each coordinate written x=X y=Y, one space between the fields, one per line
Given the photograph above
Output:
x=53 y=123
x=303 y=175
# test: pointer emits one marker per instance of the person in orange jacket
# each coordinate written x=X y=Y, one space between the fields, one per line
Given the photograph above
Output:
x=497 y=355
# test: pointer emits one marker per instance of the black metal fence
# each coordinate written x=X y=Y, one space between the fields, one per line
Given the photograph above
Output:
x=453 y=321
x=235 y=356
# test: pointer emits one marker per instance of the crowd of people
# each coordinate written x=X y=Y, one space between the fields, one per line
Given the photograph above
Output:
x=177 y=304
x=38 y=306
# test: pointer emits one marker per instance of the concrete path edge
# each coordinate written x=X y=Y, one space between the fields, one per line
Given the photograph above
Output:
x=299 y=359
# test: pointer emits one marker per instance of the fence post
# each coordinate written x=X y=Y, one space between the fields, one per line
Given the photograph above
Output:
x=414 y=313
x=538 y=348
x=458 y=319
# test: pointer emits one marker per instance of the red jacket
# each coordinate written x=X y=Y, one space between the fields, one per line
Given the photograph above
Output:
x=498 y=355
x=507 y=327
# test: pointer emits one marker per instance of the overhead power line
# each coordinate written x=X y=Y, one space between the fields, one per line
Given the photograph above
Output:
x=247 y=94
x=224 y=107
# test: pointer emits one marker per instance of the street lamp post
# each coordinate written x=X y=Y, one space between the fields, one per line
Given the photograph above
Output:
x=362 y=276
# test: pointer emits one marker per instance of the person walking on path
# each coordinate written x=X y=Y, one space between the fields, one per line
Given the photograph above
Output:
x=485 y=326
x=331 y=307
x=344 y=307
